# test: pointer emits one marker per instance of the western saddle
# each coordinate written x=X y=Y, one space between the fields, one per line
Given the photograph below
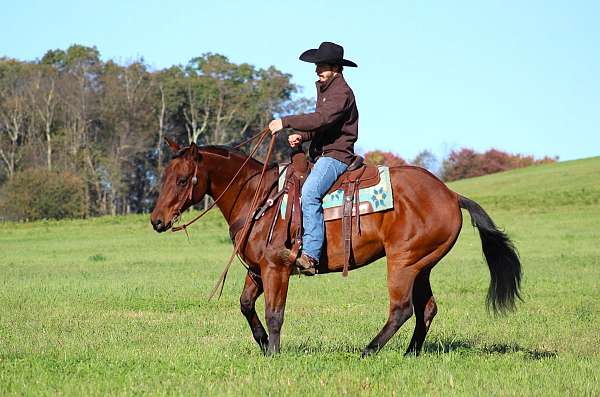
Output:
x=358 y=175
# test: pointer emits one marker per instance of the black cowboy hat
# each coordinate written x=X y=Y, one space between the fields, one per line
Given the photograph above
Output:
x=327 y=52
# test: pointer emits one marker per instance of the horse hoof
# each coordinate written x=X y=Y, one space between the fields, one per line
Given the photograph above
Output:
x=367 y=352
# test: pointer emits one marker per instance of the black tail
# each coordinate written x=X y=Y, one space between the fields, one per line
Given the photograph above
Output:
x=501 y=256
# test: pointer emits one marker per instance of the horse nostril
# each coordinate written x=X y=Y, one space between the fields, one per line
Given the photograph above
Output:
x=157 y=225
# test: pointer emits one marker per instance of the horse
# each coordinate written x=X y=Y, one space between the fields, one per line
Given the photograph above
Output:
x=414 y=236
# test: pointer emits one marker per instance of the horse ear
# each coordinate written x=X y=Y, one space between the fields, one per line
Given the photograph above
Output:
x=194 y=151
x=172 y=144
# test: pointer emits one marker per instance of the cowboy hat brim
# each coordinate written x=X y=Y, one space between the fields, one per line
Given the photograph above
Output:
x=313 y=56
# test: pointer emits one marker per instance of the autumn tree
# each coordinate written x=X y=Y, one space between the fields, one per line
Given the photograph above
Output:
x=466 y=163
x=379 y=157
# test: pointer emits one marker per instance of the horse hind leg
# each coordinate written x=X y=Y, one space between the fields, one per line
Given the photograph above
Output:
x=400 y=284
x=252 y=290
x=425 y=310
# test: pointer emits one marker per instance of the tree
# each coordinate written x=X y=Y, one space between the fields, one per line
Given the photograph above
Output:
x=379 y=157
x=427 y=160
x=105 y=122
x=127 y=121
x=43 y=98
x=466 y=163
x=80 y=68
x=14 y=115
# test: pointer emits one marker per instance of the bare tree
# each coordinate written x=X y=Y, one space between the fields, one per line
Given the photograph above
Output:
x=13 y=114
x=197 y=110
x=44 y=101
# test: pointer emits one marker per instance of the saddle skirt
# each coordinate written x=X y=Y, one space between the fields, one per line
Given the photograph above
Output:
x=375 y=193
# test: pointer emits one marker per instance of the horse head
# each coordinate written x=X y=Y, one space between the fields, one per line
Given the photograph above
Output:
x=185 y=182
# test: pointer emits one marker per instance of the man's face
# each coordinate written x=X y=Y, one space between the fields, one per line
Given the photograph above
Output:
x=325 y=71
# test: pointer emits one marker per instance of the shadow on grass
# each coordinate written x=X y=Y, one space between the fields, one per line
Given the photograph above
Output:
x=436 y=347
x=468 y=346
x=321 y=348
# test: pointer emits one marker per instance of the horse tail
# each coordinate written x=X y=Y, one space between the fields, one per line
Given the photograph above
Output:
x=501 y=257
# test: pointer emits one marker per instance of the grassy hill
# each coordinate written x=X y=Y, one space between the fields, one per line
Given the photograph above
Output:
x=567 y=184
x=107 y=306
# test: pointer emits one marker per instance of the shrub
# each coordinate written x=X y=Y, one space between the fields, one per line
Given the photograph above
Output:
x=466 y=163
x=42 y=194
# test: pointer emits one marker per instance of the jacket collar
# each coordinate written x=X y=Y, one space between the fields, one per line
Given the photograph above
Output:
x=323 y=86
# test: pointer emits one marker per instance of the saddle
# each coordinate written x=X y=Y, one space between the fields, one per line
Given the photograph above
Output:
x=358 y=175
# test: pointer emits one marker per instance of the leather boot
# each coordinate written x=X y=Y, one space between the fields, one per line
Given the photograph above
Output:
x=307 y=265
x=304 y=264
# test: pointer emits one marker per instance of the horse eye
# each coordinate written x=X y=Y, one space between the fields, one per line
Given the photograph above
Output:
x=182 y=180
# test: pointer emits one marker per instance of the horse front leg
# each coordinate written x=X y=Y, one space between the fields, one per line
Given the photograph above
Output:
x=275 y=280
x=252 y=290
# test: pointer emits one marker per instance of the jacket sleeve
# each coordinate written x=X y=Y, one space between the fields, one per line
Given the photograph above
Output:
x=328 y=113
x=307 y=135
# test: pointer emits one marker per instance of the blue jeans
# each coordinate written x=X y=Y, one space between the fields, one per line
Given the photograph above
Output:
x=325 y=172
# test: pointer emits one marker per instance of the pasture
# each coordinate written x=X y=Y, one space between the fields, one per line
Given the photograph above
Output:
x=107 y=306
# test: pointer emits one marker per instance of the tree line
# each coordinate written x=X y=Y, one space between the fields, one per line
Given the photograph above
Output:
x=460 y=163
x=104 y=122
x=81 y=137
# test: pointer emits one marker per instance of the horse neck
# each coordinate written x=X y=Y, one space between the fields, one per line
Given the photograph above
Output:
x=237 y=199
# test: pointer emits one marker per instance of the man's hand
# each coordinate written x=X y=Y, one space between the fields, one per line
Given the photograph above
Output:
x=295 y=140
x=275 y=126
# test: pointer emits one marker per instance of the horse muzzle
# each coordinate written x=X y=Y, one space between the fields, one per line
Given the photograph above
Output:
x=159 y=226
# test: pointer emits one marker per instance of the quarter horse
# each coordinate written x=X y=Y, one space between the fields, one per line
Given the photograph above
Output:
x=414 y=236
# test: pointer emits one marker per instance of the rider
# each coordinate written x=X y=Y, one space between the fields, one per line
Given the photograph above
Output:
x=332 y=130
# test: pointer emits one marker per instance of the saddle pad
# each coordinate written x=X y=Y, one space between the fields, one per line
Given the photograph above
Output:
x=372 y=199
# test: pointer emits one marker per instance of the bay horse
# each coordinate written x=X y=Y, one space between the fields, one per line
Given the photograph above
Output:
x=414 y=236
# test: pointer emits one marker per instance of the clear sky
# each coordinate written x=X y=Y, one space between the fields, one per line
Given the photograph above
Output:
x=519 y=76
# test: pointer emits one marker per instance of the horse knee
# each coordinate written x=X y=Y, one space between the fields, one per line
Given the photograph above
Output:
x=246 y=306
x=400 y=314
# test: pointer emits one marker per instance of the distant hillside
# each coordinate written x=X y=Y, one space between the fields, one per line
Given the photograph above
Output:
x=569 y=183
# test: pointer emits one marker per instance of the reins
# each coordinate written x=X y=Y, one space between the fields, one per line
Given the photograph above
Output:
x=262 y=135
x=246 y=228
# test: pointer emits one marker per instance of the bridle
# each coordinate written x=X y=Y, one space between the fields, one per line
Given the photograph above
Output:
x=188 y=196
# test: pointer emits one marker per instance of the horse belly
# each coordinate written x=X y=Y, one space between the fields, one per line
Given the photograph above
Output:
x=367 y=246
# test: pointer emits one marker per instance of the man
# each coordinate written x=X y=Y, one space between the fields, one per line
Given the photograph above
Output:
x=332 y=130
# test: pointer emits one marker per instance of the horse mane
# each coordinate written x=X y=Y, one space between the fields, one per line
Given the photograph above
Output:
x=223 y=151
x=227 y=152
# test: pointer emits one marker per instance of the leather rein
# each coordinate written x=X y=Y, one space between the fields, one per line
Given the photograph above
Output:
x=246 y=228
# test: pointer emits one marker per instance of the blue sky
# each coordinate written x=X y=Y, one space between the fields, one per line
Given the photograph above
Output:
x=519 y=76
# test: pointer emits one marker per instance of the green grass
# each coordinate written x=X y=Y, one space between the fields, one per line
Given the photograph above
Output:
x=106 y=306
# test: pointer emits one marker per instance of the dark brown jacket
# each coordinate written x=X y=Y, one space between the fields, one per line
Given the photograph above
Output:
x=333 y=127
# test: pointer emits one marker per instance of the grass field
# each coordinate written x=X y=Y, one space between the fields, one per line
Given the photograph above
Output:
x=107 y=306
